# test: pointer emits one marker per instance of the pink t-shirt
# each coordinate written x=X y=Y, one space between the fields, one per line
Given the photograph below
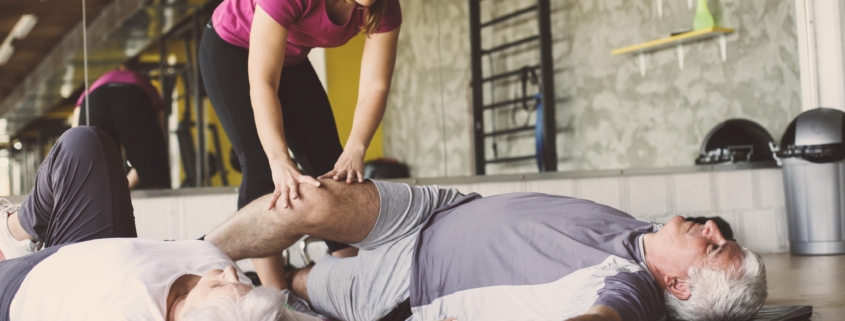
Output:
x=127 y=77
x=307 y=22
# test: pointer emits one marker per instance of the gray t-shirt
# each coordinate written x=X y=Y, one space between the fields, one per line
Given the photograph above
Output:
x=531 y=256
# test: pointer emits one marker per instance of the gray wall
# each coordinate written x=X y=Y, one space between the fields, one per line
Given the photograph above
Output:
x=608 y=116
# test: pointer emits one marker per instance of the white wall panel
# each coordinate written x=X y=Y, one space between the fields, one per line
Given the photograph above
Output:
x=490 y=189
x=692 y=193
x=563 y=187
x=181 y=218
x=606 y=191
x=734 y=190
x=463 y=188
x=204 y=213
x=155 y=218
x=648 y=196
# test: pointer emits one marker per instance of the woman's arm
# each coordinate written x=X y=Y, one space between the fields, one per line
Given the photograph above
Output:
x=132 y=178
x=271 y=271
x=377 y=65
x=267 y=42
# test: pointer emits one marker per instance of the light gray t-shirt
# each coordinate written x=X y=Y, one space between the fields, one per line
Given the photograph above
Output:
x=112 y=279
x=531 y=256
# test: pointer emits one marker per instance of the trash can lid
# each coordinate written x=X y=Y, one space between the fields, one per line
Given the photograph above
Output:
x=816 y=135
x=735 y=140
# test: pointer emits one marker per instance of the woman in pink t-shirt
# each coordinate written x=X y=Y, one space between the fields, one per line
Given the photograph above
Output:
x=254 y=62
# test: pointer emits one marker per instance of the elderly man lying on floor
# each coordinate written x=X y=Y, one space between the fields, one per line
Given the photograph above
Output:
x=92 y=267
x=521 y=256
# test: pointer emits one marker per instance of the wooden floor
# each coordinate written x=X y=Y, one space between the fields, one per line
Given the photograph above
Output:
x=808 y=280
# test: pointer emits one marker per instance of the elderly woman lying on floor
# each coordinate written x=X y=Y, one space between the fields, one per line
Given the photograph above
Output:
x=428 y=253
x=93 y=268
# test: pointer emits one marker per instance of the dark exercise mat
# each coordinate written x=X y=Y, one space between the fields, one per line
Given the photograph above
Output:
x=784 y=313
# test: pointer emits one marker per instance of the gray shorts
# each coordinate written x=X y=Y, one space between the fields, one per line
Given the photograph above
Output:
x=368 y=286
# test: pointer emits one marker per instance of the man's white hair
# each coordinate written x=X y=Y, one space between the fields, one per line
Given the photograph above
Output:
x=260 y=304
x=733 y=294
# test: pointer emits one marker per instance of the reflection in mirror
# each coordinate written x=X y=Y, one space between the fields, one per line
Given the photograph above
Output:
x=608 y=115
x=40 y=108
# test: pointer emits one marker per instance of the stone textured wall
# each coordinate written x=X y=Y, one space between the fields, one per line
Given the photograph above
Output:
x=608 y=116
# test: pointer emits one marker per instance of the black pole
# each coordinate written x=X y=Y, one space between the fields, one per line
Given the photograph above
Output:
x=547 y=78
x=166 y=96
x=193 y=62
x=477 y=86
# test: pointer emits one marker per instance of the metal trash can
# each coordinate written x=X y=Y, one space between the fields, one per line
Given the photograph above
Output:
x=812 y=153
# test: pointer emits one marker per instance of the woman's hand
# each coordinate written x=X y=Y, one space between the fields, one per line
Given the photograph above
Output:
x=286 y=179
x=349 y=166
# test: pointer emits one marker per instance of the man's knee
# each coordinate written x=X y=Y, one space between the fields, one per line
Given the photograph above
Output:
x=331 y=204
x=85 y=141
x=311 y=209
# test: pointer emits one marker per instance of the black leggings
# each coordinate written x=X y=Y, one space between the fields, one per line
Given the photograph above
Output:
x=125 y=112
x=309 y=123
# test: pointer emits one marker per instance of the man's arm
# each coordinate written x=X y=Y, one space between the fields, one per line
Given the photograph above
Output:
x=598 y=313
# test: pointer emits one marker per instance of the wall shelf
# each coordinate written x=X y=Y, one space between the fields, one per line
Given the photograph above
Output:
x=673 y=40
x=677 y=41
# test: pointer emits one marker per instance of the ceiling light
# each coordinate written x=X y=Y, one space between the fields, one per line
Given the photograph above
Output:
x=6 y=52
x=24 y=26
x=19 y=31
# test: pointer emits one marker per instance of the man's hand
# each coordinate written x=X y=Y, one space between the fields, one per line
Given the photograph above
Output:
x=598 y=313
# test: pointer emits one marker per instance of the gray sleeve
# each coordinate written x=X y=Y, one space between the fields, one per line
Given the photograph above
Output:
x=634 y=296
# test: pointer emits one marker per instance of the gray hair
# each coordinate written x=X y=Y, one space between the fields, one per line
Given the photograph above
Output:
x=260 y=304
x=732 y=294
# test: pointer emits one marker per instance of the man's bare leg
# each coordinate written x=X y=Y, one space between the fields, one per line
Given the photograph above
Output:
x=334 y=211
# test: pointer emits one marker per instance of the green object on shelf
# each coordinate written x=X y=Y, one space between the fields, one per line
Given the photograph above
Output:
x=703 y=18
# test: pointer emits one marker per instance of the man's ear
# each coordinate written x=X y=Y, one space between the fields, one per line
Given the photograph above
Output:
x=677 y=286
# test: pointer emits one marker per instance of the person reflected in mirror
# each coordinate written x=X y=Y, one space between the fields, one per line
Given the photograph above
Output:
x=125 y=105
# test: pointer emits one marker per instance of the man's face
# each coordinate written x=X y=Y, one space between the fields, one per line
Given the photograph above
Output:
x=213 y=285
x=693 y=244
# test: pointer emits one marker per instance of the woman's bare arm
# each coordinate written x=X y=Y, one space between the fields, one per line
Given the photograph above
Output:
x=377 y=66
